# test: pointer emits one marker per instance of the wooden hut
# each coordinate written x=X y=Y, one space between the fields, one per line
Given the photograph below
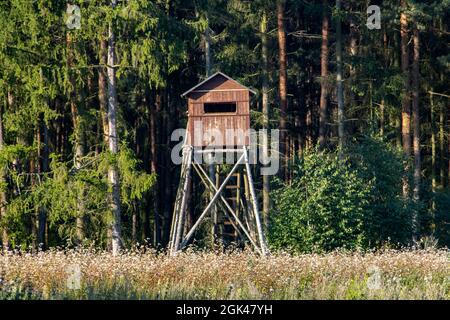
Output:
x=218 y=104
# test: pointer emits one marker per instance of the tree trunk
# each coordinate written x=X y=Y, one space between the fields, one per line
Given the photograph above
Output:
x=103 y=106
x=441 y=145
x=43 y=151
x=352 y=80
x=282 y=84
x=138 y=138
x=416 y=120
x=34 y=215
x=3 y=198
x=382 y=118
x=386 y=65
x=433 y=143
x=265 y=112
x=168 y=188
x=397 y=121
x=340 y=88
x=154 y=169
x=406 y=112
x=59 y=140
x=308 y=112
x=323 y=118
x=79 y=136
x=43 y=165
x=207 y=39
x=113 y=174
x=102 y=88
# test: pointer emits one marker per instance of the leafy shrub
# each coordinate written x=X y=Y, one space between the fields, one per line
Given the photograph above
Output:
x=441 y=215
x=67 y=192
x=390 y=212
x=354 y=202
x=323 y=208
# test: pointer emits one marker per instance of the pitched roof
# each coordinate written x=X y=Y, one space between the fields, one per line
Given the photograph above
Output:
x=213 y=76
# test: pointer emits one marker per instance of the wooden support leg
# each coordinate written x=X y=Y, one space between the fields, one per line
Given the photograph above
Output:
x=178 y=198
x=238 y=198
x=180 y=211
x=262 y=241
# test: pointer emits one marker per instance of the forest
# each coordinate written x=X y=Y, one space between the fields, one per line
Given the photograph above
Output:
x=90 y=93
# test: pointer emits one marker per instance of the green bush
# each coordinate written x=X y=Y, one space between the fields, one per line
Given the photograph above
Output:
x=390 y=214
x=354 y=202
x=323 y=208
x=66 y=192
x=441 y=218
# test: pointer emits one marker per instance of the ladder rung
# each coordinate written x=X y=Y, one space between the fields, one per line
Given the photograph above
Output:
x=228 y=229
x=231 y=187
x=229 y=234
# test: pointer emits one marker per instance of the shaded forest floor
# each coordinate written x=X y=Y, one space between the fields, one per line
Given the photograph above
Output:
x=90 y=274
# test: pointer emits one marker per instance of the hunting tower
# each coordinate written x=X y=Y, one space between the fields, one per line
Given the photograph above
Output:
x=218 y=104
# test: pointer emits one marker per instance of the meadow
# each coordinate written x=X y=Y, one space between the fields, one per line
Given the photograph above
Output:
x=145 y=274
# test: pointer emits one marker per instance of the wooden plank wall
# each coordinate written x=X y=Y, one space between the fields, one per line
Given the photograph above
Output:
x=235 y=127
x=239 y=122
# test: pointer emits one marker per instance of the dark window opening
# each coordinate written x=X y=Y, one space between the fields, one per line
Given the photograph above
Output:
x=224 y=107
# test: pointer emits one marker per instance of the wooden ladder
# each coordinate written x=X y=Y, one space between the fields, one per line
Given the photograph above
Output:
x=227 y=233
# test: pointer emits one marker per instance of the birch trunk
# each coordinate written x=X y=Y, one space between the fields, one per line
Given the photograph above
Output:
x=79 y=136
x=103 y=106
x=113 y=174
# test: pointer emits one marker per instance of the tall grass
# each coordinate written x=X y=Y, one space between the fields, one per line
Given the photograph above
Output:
x=139 y=274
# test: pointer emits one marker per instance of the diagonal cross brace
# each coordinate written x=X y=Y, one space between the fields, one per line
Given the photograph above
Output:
x=213 y=187
x=208 y=207
x=206 y=183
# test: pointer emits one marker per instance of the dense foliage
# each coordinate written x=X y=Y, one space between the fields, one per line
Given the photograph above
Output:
x=353 y=202
x=55 y=98
x=64 y=190
x=323 y=208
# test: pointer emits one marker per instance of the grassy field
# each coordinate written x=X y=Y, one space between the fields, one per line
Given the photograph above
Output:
x=89 y=274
